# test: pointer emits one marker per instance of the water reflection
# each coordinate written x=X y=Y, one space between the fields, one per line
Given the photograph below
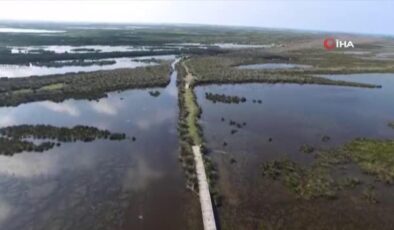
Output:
x=138 y=178
x=65 y=108
x=106 y=107
x=5 y=210
x=6 y=120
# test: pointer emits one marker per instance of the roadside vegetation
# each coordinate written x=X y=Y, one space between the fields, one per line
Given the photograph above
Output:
x=191 y=134
x=24 y=138
x=186 y=140
x=92 y=85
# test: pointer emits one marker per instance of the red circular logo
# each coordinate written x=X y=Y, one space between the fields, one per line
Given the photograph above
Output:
x=329 y=43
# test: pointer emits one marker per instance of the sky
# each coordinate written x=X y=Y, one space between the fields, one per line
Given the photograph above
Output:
x=353 y=16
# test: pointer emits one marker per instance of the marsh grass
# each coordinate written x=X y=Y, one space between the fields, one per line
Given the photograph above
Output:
x=373 y=157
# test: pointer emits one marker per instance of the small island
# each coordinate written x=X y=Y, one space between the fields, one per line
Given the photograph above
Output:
x=228 y=99
x=19 y=138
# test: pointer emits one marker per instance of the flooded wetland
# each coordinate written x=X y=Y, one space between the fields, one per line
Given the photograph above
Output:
x=98 y=128
x=98 y=185
x=290 y=116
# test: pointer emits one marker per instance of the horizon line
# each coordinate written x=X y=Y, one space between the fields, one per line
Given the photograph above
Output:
x=194 y=24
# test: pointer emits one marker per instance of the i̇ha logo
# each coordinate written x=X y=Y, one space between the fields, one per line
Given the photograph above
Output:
x=331 y=43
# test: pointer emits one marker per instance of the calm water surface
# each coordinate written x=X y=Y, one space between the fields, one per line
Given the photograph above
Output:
x=104 y=184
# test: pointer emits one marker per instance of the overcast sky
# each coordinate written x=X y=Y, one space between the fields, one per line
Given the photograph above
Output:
x=376 y=17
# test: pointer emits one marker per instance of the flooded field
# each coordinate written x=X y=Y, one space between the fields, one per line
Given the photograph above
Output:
x=63 y=67
x=107 y=148
x=288 y=117
x=99 y=185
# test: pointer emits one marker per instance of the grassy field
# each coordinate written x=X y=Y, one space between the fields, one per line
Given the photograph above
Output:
x=55 y=86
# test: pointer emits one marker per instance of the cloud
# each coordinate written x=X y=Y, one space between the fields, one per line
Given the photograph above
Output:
x=65 y=107
x=5 y=210
x=140 y=175
x=105 y=107
x=154 y=118
x=7 y=120
x=22 y=165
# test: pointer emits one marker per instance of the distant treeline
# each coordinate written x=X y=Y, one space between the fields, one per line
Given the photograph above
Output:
x=75 y=63
x=219 y=69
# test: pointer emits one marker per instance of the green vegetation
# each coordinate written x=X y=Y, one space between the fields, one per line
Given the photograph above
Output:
x=306 y=183
x=194 y=113
x=228 y=99
x=369 y=194
x=338 y=62
x=149 y=35
x=325 y=138
x=55 y=86
x=10 y=146
x=239 y=125
x=92 y=85
x=307 y=149
x=84 y=50
x=16 y=139
x=56 y=64
x=191 y=132
x=186 y=140
x=51 y=58
x=391 y=124
x=373 y=157
x=154 y=93
x=148 y=60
